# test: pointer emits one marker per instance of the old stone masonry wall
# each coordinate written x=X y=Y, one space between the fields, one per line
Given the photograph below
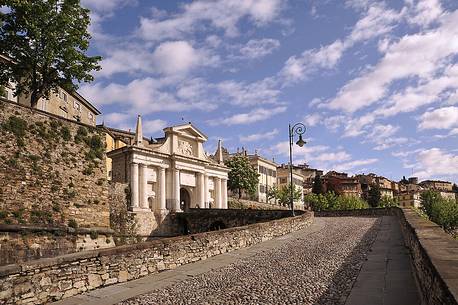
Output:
x=52 y=170
x=52 y=279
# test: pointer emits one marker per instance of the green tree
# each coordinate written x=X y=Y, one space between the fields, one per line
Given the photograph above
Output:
x=242 y=175
x=387 y=202
x=428 y=199
x=2 y=91
x=317 y=185
x=374 y=196
x=272 y=193
x=46 y=42
x=284 y=195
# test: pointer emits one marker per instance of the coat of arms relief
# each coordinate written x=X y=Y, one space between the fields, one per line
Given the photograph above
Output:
x=185 y=148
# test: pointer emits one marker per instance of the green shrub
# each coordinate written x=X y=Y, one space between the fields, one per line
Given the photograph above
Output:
x=3 y=214
x=88 y=170
x=41 y=217
x=332 y=202
x=81 y=135
x=16 y=126
x=65 y=133
x=72 y=223
x=13 y=162
x=94 y=234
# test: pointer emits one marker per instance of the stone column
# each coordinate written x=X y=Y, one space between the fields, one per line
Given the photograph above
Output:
x=162 y=194
x=144 y=187
x=217 y=183
x=176 y=190
x=205 y=197
x=201 y=190
x=224 y=193
x=134 y=185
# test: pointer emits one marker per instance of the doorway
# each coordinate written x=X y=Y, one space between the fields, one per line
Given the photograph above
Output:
x=185 y=200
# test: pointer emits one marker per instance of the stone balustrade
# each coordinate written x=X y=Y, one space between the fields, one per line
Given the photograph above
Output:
x=51 y=279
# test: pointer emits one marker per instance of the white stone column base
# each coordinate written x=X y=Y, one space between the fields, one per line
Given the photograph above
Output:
x=140 y=210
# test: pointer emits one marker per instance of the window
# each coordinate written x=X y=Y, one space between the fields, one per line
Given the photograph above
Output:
x=63 y=96
x=90 y=116
x=262 y=188
x=76 y=106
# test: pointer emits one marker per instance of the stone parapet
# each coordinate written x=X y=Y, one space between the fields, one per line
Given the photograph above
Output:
x=434 y=252
x=435 y=258
x=204 y=220
x=51 y=279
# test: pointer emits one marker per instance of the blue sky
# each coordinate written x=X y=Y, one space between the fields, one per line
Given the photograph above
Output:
x=375 y=82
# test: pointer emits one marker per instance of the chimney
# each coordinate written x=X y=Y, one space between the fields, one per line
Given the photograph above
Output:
x=139 y=132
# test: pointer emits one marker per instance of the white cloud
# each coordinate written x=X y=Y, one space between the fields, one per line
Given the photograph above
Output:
x=425 y=12
x=257 y=48
x=331 y=156
x=256 y=115
x=442 y=118
x=106 y=6
x=377 y=20
x=312 y=119
x=310 y=61
x=259 y=136
x=153 y=126
x=178 y=57
x=171 y=58
x=354 y=164
x=402 y=60
x=436 y=163
x=256 y=93
x=221 y=14
x=141 y=96
x=428 y=91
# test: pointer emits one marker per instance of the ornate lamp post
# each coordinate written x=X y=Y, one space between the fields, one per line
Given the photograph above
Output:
x=297 y=129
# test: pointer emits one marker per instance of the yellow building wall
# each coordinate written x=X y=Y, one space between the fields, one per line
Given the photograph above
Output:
x=112 y=144
x=64 y=105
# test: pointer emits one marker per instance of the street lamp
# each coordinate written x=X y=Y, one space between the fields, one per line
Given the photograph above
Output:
x=297 y=129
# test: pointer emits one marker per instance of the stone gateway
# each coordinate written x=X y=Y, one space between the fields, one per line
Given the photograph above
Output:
x=169 y=174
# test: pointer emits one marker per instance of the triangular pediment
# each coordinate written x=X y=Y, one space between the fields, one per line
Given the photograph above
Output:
x=190 y=131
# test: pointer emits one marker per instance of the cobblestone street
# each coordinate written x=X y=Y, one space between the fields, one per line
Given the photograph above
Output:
x=318 y=266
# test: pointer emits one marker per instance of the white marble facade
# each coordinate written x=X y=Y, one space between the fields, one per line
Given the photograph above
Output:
x=172 y=173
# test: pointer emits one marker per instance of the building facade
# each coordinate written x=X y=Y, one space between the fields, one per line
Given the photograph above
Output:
x=267 y=171
x=284 y=180
x=69 y=105
x=341 y=184
x=171 y=174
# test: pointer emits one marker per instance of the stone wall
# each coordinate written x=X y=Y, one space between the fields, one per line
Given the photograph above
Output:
x=56 y=278
x=52 y=170
x=435 y=258
x=25 y=243
x=204 y=220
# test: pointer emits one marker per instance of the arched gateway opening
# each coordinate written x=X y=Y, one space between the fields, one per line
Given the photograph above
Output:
x=185 y=200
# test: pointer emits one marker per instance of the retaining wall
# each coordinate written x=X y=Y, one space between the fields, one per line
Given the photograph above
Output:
x=51 y=279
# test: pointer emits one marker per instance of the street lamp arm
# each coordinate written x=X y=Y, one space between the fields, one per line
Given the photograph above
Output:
x=297 y=129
